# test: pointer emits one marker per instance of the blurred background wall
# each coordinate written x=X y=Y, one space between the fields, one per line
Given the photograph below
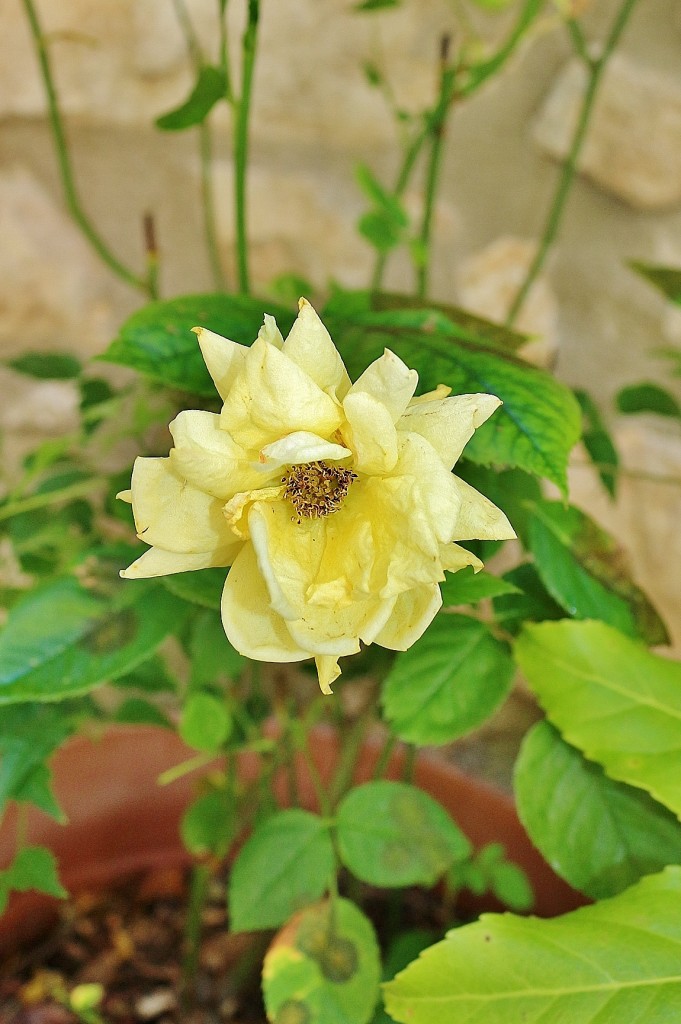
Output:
x=121 y=63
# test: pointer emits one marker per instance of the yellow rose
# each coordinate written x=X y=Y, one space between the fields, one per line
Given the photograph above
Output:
x=334 y=503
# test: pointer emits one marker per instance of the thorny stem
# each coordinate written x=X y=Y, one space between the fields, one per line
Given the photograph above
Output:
x=446 y=96
x=73 y=203
x=595 y=68
x=243 y=106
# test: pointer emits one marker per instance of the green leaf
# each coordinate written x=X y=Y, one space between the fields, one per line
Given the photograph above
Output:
x=323 y=968
x=206 y=723
x=137 y=711
x=157 y=340
x=391 y=834
x=616 y=961
x=536 y=427
x=584 y=570
x=511 y=886
x=534 y=604
x=213 y=659
x=376 y=5
x=611 y=698
x=443 y=316
x=34 y=867
x=63 y=640
x=47 y=365
x=598 y=442
x=468 y=587
x=288 y=288
x=151 y=676
x=203 y=587
x=667 y=279
x=210 y=87
x=285 y=865
x=380 y=230
x=28 y=736
x=210 y=824
x=647 y=397
x=478 y=74
x=599 y=835
x=448 y=683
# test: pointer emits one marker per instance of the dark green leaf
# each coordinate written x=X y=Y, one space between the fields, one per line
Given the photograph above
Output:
x=47 y=365
x=584 y=570
x=448 y=683
x=158 y=339
x=137 y=711
x=376 y=5
x=203 y=587
x=648 y=398
x=391 y=834
x=210 y=87
x=285 y=865
x=324 y=967
x=210 y=824
x=442 y=316
x=467 y=587
x=380 y=230
x=34 y=867
x=600 y=835
x=63 y=640
x=667 y=279
x=213 y=659
x=28 y=736
x=534 y=604
x=598 y=442
x=151 y=676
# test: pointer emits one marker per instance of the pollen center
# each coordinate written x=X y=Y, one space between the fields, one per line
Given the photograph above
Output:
x=317 y=489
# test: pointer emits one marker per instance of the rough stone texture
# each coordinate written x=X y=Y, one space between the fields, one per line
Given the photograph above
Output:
x=54 y=293
x=645 y=516
x=487 y=283
x=633 y=148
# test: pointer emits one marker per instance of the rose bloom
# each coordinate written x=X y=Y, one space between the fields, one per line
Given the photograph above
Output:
x=334 y=503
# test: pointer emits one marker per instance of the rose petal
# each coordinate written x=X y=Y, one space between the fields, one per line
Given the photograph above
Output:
x=208 y=458
x=310 y=347
x=448 y=423
x=157 y=562
x=413 y=612
x=479 y=518
x=224 y=359
x=389 y=381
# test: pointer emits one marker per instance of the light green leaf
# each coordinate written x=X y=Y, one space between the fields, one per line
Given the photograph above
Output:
x=323 y=968
x=34 y=867
x=468 y=587
x=285 y=864
x=210 y=87
x=62 y=640
x=448 y=683
x=157 y=340
x=611 y=698
x=599 y=835
x=584 y=569
x=206 y=723
x=391 y=834
x=616 y=961
x=210 y=823
x=203 y=587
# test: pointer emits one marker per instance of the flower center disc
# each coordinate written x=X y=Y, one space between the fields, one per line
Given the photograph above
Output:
x=317 y=489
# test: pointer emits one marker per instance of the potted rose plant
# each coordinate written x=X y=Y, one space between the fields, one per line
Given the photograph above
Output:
x=335 y=480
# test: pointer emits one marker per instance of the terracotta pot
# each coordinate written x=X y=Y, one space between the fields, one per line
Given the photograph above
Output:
x=121 y=821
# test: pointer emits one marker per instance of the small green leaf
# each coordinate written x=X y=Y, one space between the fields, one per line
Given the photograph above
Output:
x=391 y=834
x=288 y=288
x=28 y=736
x=598 y=442
x=448 y=683
x=599 y=835
x=285 y=865
x=323 y=968
x=137 y=711
x=47 y=365
x=203 y=587
x=210 y=87
x=584 y=570
x=617 y=960
x=206 y=723
x=34 y=867
x=376 y=5
x=210 y=824
x=468 y=587
x=380 y=230
x=157 y=340
x=611 y=698
x=667 y=279
x=511 y=886
x=648 y=398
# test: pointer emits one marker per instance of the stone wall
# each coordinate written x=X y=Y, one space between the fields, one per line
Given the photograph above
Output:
x=121 y=63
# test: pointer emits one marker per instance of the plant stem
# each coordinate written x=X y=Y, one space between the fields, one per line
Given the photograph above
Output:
x=200 y=880
x=384 y=756
x=71 y=196
x=595 y=68
x=76 y=490
x=241 y=143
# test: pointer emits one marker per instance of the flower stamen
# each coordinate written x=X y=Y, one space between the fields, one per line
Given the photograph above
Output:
x=316 y=489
